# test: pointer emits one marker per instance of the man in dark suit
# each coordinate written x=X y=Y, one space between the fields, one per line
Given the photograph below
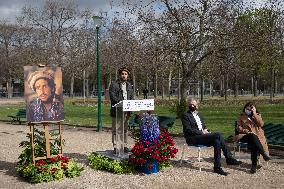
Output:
x=196 y=133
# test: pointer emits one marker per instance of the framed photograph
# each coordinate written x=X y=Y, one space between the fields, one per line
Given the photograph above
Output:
x=43 y=94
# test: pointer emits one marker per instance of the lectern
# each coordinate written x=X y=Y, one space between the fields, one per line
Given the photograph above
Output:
x=121 y=108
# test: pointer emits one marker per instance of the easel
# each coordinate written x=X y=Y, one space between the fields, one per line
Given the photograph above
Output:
x=47 y=141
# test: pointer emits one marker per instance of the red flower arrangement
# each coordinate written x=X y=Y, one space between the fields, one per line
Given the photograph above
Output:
x=160 y=150
x=46 y=170
x=42 y=165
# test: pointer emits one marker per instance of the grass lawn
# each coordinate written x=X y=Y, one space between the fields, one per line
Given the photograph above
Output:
x=223 y=118
x=217 y=118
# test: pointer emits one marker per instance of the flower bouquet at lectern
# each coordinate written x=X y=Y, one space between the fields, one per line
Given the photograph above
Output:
x=154 y=147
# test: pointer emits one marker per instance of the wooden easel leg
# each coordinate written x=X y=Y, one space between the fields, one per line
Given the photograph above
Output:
x=32 y=142
x=47 y=142
x=60 y=138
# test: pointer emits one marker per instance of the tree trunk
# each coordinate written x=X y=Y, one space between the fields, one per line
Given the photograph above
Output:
x=109 y=80
x=183 y=87
x=198 y=90
x=147 y=85
x=236 y=86
x=226 y=86
x=272 y=84
x=255 y=87
x=169 y=84
x=10 y=89
x=163 y=89
x=201 y=89
x=179 y=85
x=211 y=88
x=134 y=82
x=116 y=76
x=84 y=85
x=72 y=86
x=222 y=87
x=156 y=84
x=252 y=82
x=87 y=84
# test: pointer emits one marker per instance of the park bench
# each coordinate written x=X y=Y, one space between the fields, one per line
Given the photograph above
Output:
x=274 y=134
x=165 y=122
x=133 y=122
x=21 y=114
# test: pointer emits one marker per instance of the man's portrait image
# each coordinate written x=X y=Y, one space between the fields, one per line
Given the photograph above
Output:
x=43 y=94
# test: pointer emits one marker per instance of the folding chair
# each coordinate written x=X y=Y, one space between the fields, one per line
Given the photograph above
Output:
x=239 y=145
x=199 y=158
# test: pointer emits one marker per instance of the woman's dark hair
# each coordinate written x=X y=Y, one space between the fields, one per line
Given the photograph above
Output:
x=249 y=104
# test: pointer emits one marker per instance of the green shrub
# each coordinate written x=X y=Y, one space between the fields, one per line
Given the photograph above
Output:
x=179 y=108
x=100 y=162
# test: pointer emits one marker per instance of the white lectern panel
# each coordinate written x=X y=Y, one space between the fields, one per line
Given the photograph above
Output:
x=138 y=105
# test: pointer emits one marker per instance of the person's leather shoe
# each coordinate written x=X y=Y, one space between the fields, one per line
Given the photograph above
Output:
x=266 y=157
x=126 y=150
x=253 y=169
x=220 y=171
x=114 y=150
x=232 y=161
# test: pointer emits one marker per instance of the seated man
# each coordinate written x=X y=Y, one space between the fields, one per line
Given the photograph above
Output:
x=196 y=133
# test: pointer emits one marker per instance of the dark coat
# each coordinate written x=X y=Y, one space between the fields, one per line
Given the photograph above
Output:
x=116 y=94
x=190 y=127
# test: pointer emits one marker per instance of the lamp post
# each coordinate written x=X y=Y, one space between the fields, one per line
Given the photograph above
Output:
x=98 y=23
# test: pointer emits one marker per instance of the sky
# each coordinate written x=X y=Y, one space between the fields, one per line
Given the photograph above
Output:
x=10 y=9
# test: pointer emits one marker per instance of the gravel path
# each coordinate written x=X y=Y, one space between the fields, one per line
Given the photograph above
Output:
x=82 y=141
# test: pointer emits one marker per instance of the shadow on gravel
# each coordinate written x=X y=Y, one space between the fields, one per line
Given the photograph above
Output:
x=193 y=164
x=243 y=167
x=10 y=169
x=190 y=165
x=81 y=158
x=7 y=133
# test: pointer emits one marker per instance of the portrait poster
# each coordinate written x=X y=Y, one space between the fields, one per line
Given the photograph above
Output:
x=43 y=94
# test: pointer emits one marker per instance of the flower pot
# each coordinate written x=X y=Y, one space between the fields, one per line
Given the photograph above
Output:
x=150 y=167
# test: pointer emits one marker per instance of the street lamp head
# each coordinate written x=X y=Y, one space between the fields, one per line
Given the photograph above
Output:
x=98 y=20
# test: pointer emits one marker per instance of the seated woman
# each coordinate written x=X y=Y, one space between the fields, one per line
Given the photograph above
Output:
x=249 y=126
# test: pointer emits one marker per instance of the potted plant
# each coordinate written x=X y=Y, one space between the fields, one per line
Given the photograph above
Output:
x=155 y=145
